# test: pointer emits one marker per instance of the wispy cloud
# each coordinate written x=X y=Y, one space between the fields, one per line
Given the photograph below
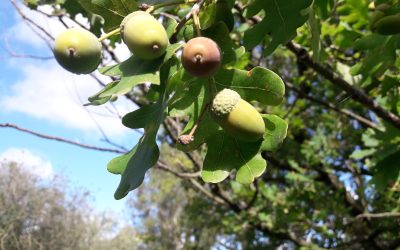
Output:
x=48 y=92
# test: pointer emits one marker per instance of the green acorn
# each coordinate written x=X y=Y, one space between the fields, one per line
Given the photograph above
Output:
x=237 y=117
x=145 y=37
x=77 y=50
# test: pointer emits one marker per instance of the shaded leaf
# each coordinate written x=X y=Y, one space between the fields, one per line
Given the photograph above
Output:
x=226 y=153
x=134 y=165
x=282 y=18
x=275 y=132
x=133 y=71
x=191 y=98
x=113 y=12
x=258 y=84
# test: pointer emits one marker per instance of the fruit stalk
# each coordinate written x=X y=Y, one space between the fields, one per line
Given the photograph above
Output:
x=109 y=34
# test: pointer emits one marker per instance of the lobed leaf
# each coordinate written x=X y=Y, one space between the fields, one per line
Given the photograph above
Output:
x=225 y=153
x=113 y=12
x=275 y=132
x=282 y=18
x=134 y=165
x=133 y=71
x=258 y=84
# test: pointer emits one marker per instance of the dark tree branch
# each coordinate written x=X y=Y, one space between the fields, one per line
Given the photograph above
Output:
x=345 y=112
x=378 y=215
x=355 y=93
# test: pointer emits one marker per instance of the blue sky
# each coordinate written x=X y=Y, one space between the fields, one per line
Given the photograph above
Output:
x=41 y=96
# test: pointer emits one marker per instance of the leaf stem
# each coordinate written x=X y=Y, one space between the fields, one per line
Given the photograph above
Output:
x=111 y=33
x=212 y=87
x=199 y=120
x=196 y=19
x=186 y=139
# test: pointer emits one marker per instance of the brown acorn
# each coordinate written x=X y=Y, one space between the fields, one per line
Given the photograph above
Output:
x=201 y=57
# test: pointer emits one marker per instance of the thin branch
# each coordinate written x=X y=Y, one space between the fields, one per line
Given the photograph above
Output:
x=355 y=93
x=379 y=215
x=29 y=20
x=196 y=7
x=161 y=165
x=60 y=139
x=345 y=112
x=14 y=54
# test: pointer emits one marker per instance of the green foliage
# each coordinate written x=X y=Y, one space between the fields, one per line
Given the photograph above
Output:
x=282 y=18
x=111 y=11
x=133 y=165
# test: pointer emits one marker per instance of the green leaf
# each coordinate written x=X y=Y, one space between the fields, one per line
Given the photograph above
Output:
x=217 y=165
x=226 y=153
x=275 y=132
x=118 y=164
x=355 y=13
x=207 y=14
x=171 y=26
x=258 y=84
x=220 y=34
x=113 y=12
x=282 y=18
x=387 y=170
x=191 y=98
x=133 y=71
x=324 y=7
x=381 y=54
x=142 y=117
x=134 y=165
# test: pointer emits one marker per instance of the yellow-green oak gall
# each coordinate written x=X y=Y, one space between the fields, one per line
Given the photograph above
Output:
x=77 y=50
x=145 y=37
x=237 y=117
x=201 y=57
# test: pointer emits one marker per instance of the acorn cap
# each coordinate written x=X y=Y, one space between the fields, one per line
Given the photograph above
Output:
x=224 y=102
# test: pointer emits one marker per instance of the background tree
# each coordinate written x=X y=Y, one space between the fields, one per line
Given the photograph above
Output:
x=42 y=214
x=333 y=183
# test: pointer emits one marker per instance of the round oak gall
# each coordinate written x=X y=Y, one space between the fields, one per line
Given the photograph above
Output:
x=201 y=57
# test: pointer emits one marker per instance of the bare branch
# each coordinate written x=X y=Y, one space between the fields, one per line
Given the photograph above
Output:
x=33 y=23
x=379 y=215
x=55 y=138
x=14 y=54
x=196 y=7
x=161 y=165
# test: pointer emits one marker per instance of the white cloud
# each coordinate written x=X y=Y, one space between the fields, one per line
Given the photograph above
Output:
x=48 y=92
x=29 y=161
